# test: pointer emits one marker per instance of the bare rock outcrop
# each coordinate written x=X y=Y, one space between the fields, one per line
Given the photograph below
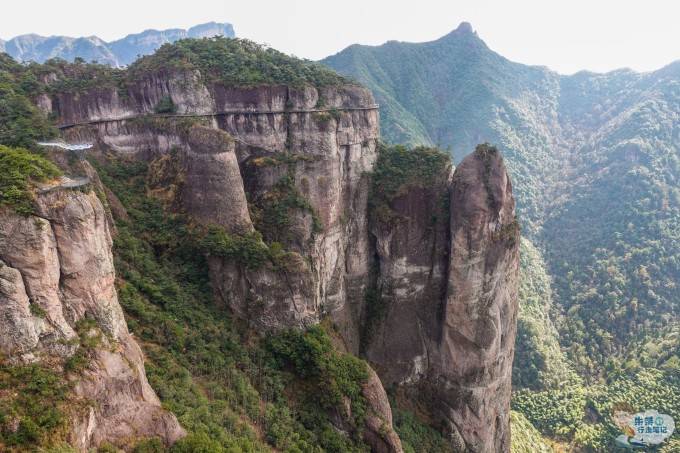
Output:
x=56 y=271
x=201 y=176
x=123 y=407
x=473 y=363
x=447 y=287
x=378 y=432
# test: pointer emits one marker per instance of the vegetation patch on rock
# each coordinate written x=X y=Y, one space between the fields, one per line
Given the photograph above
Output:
x=234 y=61
x=33 y=407
x=76 y=77
x=330 y=381
x=398 y=169
x=20 y=169
x=273 y=212
x=21 y=123
x=416 y=436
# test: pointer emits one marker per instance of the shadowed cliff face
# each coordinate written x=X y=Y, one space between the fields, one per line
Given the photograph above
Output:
x=447 y=284
x=275 y=163
x=56 y=271
x=411 y=261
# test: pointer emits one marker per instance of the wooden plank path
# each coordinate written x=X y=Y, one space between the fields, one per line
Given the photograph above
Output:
x=213 y=114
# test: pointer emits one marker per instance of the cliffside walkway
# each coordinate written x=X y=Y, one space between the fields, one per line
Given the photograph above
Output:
x=65 y=183
x=213 y=115
x=67 y=146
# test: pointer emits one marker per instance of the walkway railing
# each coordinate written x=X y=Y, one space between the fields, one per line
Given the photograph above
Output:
x=214 y=114
x=67 y=146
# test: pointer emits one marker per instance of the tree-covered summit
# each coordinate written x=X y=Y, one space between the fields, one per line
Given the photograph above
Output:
x=237 y=62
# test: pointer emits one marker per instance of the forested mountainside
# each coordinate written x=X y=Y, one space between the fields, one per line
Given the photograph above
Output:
x=116 y=53
x=239 y=264
x=594 y=160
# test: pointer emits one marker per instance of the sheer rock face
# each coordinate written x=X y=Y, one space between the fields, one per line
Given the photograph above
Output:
x=326 y=154
x=473 y=363
x=412 y=261
x=56 y=269
x=212 y=188
x=447 y=273
x=448 y=281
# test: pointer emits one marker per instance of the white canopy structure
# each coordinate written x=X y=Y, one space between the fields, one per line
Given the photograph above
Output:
x=67 y=146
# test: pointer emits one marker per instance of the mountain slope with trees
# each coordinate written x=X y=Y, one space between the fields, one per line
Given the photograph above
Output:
x=595 y=165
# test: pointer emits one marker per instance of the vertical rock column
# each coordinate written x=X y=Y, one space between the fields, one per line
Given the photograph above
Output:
x=473 y=369
x=212 y=188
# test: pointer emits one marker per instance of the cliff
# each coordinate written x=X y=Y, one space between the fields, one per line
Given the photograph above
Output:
x=304 y=218
x=268 y=134
x=57 y=293
x=446 y=288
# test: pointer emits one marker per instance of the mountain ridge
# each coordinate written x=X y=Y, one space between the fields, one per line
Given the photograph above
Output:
x=116 y=53
x=595 y=164
x=467 y=28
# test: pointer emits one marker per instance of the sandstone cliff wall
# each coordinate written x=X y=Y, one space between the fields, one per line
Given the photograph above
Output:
x=327 y=154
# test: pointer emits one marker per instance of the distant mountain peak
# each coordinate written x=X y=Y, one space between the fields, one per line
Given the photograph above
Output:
x=210 y=29
x=465 y=27
x=464 y=30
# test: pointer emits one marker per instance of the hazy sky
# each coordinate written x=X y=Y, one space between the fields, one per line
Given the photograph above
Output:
x=567 y=36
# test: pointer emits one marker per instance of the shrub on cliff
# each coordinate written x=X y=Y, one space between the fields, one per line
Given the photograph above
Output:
x=311 y=354
x=21 y=123
x=165 y=106
x=197 y=443
x=417 y=436
x=32 y=407
x=274 y=212
x=19 y=170
x=398 y=169
x=237 y=62
x=329 y=377
x=247 y=249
